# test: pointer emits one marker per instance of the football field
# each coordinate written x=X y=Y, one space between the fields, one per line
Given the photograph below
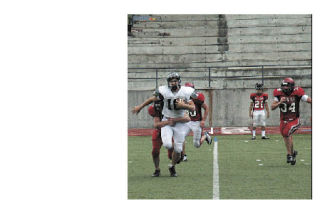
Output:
x=247 y=170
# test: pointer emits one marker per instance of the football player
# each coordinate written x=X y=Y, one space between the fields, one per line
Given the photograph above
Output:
x=258 y=104
x=197 y=122
x=176 y=100
x=287 y=98
x=155 y=111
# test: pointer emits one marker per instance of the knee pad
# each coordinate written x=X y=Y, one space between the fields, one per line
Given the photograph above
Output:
x=178 y=147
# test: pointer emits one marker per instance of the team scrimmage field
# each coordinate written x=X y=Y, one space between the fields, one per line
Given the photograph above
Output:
x=244 y=169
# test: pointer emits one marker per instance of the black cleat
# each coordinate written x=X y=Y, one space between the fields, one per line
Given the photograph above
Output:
x=172 y=171
x=184 y=158
x=253 y=138
x=295 y=153
x=289 y=158
x=156 y=173
x=208 y=138
x=265 y=137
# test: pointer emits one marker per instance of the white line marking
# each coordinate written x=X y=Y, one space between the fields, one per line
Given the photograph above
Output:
x=258 y=160
x=216 y=191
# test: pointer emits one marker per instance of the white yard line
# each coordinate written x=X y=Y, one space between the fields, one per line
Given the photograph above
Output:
x=216 y=190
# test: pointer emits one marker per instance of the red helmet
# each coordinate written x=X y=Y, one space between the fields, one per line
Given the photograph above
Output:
x=189 y=84
x=287 y=85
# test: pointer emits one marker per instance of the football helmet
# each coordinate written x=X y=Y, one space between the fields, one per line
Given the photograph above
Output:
x=189 y=84
x=171 y=76
x=287 y=86
x=259 y=86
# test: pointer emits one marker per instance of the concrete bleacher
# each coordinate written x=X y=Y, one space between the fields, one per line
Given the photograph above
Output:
x=238 y=49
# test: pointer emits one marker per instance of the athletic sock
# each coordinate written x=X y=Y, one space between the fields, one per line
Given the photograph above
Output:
x=263 y=133
x=253 y=133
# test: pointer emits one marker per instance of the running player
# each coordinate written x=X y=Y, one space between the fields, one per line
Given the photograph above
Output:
x=287 y=98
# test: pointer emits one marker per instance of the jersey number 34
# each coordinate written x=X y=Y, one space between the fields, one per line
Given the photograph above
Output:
x=285 y=107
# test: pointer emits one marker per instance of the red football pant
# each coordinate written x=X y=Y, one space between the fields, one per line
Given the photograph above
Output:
x=287 y=128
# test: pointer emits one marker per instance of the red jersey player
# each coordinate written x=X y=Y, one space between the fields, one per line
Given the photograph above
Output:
x=259 y=102
x=155 y=111
x=287 y=98
x=197 y=121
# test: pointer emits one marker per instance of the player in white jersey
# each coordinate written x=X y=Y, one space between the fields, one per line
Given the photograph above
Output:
x=176 y=101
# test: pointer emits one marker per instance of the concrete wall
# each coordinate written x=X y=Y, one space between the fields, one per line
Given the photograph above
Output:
x=238 y=49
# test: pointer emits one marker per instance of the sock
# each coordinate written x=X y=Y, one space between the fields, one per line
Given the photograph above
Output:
x=263 y=133
x=253 y=133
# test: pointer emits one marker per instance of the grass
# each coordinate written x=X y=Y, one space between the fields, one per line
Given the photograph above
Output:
x=194 y=176
x=241 y=176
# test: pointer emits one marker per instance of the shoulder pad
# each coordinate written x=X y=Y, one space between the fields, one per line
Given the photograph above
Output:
x=277 y=92
x=298 y=91
x=201 y=97
x=265 y=95
x=157 y=94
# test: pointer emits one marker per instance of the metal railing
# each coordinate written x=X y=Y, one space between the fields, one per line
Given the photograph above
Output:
x=209 y=70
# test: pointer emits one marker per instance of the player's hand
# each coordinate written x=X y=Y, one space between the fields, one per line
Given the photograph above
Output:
x=136 y=110
x=202 y=124
x=180 y=103
x=283 y=99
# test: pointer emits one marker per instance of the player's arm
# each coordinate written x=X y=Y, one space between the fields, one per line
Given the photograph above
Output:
x=267 y=109
x=189 y=105
x=250 y=109
x=205 y=114
x=157 y=123
x=306 y=98
x=183 y=119
x=277 y=103
x=137 y=109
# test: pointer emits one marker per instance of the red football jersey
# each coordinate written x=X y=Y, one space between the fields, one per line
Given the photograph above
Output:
x=289 y=110
x=259 y=100
x=196 y=115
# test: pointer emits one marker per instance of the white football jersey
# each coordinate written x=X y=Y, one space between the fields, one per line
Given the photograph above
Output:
x=169 y=99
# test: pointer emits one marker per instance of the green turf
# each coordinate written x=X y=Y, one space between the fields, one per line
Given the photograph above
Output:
x=241 y=176
x=194 y=179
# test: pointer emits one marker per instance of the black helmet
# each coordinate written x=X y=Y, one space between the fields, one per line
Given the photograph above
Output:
x=259 y=86
x=171 y=76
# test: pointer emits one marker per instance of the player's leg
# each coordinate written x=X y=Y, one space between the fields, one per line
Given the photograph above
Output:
x=263 y=125
x=179 y=133
x=156 y=145
x=166 y=136
x=254 y=124
x=287 y=129
x=197 y=130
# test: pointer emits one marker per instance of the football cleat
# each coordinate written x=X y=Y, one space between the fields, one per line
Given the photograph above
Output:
x=295 y=153
x=208 y=138
x=172 y=171
x=185 y=158
x=156 y=173
x=289 y=158
x=265 y=137
x=253 y=138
